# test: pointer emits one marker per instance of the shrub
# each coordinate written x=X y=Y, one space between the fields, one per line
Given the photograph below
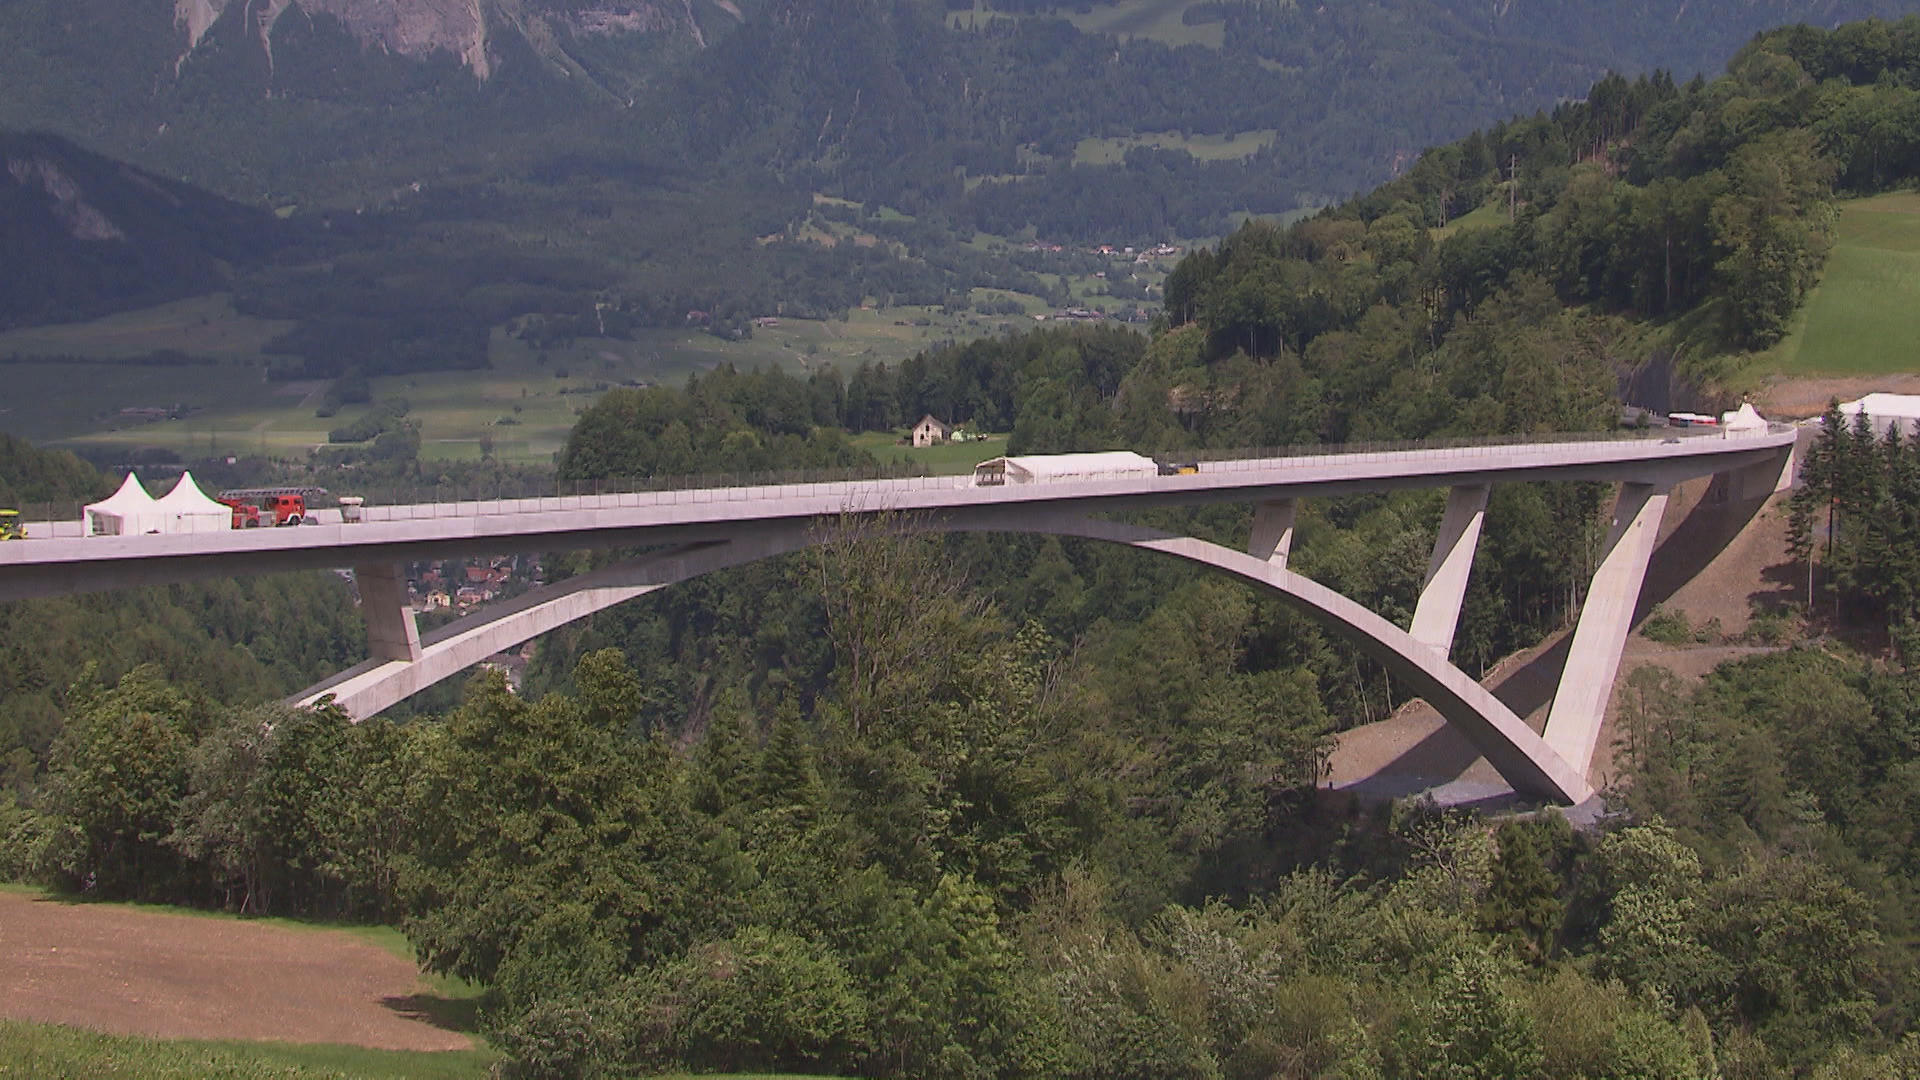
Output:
x=1668 y=627
x=1772 y=627
x=762 y=999
x=558 y=1041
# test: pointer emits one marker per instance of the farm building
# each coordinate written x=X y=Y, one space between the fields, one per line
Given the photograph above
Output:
x=930 y=431
x=1044 y=468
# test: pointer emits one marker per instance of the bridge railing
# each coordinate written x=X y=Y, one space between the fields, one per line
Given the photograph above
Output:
x=1490 y=443
x=509 y=495
x=622 y=492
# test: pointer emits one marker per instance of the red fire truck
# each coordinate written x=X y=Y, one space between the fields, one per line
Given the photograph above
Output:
x=254 y=507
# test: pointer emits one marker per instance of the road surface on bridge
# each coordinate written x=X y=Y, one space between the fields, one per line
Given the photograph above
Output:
x=57 y=565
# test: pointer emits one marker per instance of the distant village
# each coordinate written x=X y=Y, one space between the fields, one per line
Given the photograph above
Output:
x=441 y=591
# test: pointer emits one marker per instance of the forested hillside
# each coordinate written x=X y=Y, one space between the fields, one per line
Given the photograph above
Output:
x=86 y=235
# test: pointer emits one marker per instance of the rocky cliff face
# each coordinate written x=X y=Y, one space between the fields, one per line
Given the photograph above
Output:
x=65 y=201
x=463 y=28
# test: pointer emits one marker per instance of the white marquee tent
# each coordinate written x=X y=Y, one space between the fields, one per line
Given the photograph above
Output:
x=186 y=509
x=1884 y=410
x=129 y=511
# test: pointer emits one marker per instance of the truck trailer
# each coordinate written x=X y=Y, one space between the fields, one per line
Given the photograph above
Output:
x=1052 y=468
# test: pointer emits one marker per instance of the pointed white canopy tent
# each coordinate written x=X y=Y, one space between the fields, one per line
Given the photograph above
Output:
x=128 y=511
x=186 y=509
x=1743 y=418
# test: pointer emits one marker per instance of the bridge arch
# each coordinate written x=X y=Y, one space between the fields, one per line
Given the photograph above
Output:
x=1522 y=756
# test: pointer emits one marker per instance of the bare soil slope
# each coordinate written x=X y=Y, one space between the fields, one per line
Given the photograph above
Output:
x=132 y=972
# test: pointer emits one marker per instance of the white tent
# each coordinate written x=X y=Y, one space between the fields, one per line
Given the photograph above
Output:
x=128 y=511
x=186 y=509
x=1742 y=419
x=1884 y=410
x=1041 y=468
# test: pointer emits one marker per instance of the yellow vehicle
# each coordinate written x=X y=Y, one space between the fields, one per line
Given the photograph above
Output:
x=11 y=527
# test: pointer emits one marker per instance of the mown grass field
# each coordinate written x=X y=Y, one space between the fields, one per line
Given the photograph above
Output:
x=1486 y=216
x=1864 y=316
x=45 y=1050
x=1203 y=147
x=204 y=326
x=954 y=459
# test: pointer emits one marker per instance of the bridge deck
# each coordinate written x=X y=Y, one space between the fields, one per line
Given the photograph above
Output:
x=56 y=565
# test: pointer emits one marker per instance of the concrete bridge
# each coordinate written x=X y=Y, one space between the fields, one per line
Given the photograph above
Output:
x=698 y=531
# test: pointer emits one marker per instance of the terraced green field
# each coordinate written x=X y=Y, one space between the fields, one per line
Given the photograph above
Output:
x=1864 y=316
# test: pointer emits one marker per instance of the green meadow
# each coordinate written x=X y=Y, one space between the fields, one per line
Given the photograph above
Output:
x=1864 y=316
x=1484 y=216
x=47 y=1050
x=955 y=459
x=36 y=1050
x=524 y=403
x=1161 y=20
x=203 y=326
x=1203 y=147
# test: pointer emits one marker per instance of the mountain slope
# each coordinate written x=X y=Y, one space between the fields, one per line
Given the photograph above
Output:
x=84 y=234
x=333 y=99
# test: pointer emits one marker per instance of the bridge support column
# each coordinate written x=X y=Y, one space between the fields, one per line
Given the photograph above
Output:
x=391 y=632
x=1437 y=616
x=1580 y=703
x=1272 y=538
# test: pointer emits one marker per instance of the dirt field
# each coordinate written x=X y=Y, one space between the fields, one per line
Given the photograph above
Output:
x=1796 y=397
x=131 y=972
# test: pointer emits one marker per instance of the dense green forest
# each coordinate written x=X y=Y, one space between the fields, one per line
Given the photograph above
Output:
x=995 y=807
x=245 y=639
